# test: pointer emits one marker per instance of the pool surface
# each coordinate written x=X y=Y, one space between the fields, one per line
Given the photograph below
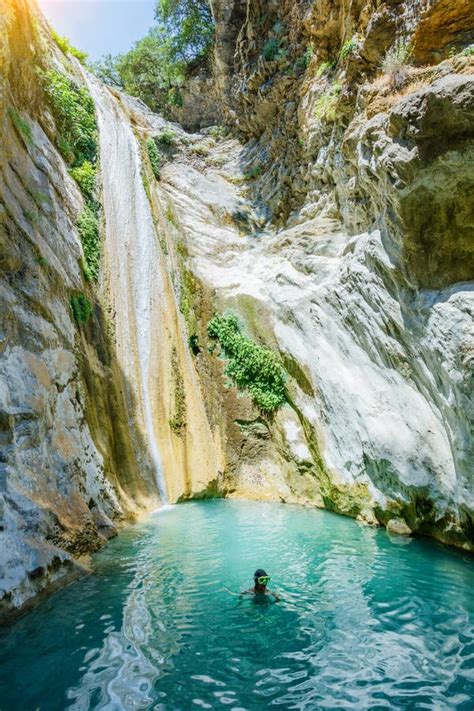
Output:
x=365 y=621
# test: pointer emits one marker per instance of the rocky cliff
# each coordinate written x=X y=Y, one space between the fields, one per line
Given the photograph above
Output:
x=331 y=216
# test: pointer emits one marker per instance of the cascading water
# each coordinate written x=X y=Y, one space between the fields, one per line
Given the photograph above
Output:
x=131 y=262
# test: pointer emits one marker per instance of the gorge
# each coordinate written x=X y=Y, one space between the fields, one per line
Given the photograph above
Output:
x=317 y=194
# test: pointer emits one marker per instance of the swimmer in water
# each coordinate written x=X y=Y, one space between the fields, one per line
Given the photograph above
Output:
x=260 y=579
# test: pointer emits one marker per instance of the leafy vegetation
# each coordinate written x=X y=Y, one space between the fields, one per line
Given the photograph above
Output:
x=167 y=137
x=22 y=127
x=396 y=56
x=81 y=308
x=273 y=50
x=66 y=47
x=73 y=111
x=325 y=67
x=348 y=48
x=156 y=67
x=327 y=102
x=154 y=156
x=85 y=177
x=88 y=227
x=178 y=421
x=251 y=367
x=302 y=63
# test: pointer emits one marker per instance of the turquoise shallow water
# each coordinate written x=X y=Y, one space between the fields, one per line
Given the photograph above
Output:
x=365 y=622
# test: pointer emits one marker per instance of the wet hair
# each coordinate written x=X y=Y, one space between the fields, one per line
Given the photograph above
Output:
x=259 y=573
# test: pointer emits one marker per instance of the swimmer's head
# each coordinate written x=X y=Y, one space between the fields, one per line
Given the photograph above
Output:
x=261 y=578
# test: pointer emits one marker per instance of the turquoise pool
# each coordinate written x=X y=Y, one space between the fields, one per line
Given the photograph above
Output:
x=365 y=621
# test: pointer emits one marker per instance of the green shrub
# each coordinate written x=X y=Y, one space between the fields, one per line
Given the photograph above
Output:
x=74 y=113
x=272 y=50
x=325 y=67
x=253 y=172
x=467 y=51
x=327 y=102
x=22 y=127
x=81 y=308
x=251 y=367
x=167 y=137
x=218 y=132
x=174 y=97
x=85 y=177
x=347 y=48
x=154 y=156
x=88 y=227
x=396 y=58
x=66 y=47
x=303 y=62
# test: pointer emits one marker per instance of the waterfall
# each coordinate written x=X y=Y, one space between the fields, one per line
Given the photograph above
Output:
x=130 y=263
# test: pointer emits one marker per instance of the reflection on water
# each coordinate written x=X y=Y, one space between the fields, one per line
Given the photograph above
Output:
x=363 y=622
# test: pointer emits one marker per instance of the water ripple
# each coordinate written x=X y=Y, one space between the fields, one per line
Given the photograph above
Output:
x=363 y=623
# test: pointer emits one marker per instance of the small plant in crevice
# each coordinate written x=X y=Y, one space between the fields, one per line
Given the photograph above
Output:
x=272 y=50
x=348 y=48
x=303 y=62
x=154 y=157
x=81 y=308
x=395 y=62
x=166 y=137
x=177 y=422
x=22 y=127
x=88 y=228
x=67 y=48
x=253 y=172
x=326 y=104
x=251 y=367
x=324 y=68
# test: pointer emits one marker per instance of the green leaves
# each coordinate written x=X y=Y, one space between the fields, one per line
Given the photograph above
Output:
x=81 y=308
x=251 y=367
x=88 y=227
x=154 y=157
x=73 y=111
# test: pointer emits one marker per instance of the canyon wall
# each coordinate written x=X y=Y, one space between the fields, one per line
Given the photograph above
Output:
x=332 y=215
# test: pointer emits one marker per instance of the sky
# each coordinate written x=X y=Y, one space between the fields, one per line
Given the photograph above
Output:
x=100 y=26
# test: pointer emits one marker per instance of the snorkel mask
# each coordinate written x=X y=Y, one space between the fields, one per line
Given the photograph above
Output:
x=260 y=576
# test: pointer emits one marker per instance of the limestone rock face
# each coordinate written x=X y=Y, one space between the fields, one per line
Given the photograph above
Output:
x=68 y=475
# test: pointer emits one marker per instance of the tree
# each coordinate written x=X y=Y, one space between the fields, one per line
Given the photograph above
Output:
x=189 y=26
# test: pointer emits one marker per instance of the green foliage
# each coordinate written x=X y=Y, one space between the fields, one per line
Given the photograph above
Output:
x=73 y=111
x=178 y=421
x=218 y=132
x=85 y=177
x=167 y=137
x=66 y=47
x=396 y=57
x=273 y=50
x=107 y=70
x=22 y=127
x=325 y=67
x=88 y=227
x=327 y=102
x=467 y=51
x=156 y=66
x=154 y=156
x=303 y=62
x=251 y=367
x=253 y=172
x=81 y=308
x=189 y=26
x=347 y=48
